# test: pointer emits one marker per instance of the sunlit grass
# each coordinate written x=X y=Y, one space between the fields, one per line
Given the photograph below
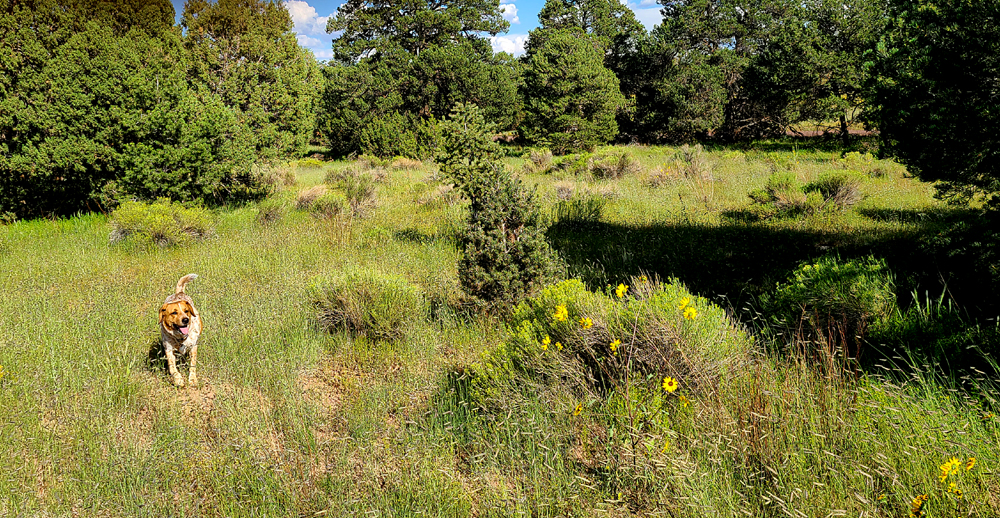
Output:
x=291 y=421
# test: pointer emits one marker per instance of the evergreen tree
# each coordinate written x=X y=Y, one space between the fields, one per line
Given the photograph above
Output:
x=571 y=98
x=244 y=52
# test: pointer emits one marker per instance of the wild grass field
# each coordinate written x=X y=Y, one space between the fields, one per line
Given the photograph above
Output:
x=456 y=413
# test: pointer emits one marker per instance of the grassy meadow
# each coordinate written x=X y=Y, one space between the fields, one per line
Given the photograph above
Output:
x=290 y=420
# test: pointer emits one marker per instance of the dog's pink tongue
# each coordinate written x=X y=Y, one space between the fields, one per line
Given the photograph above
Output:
x=184 y=330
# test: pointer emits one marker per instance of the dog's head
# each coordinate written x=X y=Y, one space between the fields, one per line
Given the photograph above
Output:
x=176 y=317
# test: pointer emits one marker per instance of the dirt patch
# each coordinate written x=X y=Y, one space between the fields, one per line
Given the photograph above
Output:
x=325 y=388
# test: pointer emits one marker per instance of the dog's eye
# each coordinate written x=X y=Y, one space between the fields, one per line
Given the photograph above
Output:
x=174 y=313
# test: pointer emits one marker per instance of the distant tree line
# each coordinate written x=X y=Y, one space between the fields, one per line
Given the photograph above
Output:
x=108 y=100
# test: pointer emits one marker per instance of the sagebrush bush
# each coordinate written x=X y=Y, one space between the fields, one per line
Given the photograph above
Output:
x=270 y=210
x=163 y=222
x=831 y=303
x=840 y=190
x=614 y=166
x=329 y=205
x=365 y=302
x=538 y=161
x=359 y=188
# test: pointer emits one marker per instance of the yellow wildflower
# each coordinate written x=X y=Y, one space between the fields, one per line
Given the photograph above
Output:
x=690 y=313
x=558 y=346
x=684 y=401
x=949 y=468
x=614 y=346
x=665 y=446
x=669 y=384
x=970 y=464
x=561 y=314
x=578 y=410
x=620 y=290
x=684 y=302
x=1 y=372
x=586 y=322
x=545 y=343
x=917 y=505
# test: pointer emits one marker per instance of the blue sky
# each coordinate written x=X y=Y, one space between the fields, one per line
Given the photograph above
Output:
x=310 y=21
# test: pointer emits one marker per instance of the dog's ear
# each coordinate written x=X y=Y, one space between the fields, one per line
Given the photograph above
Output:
x=163 y=312
x=190 y=308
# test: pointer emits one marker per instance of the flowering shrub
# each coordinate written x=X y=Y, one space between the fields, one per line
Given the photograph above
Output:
x=598 y=343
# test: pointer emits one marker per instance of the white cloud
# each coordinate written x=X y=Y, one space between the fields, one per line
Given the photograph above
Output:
x=649 y=18
x=307 y=41
x=512 y=43
x=509 y=12
x=305 y=17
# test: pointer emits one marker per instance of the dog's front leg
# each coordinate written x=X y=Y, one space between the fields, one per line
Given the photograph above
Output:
x=191 y=346
x=168 y=349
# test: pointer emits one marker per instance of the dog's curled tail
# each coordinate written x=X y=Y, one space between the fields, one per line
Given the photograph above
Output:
x=183 y=282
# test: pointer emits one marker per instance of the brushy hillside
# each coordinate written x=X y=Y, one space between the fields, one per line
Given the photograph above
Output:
x=652 y=385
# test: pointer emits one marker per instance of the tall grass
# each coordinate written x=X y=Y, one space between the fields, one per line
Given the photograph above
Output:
x=292 y=421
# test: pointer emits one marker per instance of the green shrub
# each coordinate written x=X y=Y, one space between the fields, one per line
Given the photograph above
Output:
x=593 y=343
x=831 y=303
x=396 y=134
x=162 y=222
x=505 y=256
x=365 y=302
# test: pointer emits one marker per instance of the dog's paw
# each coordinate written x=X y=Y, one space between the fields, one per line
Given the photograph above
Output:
x=178 y=380
x=193 y=381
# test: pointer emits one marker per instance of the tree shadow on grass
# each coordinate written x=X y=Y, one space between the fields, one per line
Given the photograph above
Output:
x=736 y=262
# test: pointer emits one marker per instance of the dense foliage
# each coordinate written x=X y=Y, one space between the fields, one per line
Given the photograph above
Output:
x=571 y=98
x=108 y=101
x=400 y=67
x=937 y=106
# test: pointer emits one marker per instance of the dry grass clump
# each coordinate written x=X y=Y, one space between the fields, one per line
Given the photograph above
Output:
x=406 y=164
x=840 y=190
x=440 y=195
x=365 y=302
x=615 y=166
x=321 y=202
x=538 y=161
x=306 y=197
x=693 y=162
x=565 y=190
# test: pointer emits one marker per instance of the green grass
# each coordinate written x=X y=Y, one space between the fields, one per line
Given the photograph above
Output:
x=292 y=421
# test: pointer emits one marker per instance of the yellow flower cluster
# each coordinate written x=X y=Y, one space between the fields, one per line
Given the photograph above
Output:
x=586 y=322
x=953 y=488
x=1 y=372
x=614 y=346
x=917 y=505
x=620 y=290
x=669 y=384
x=545 y=343
x=949 y=468
x=578 y=410
x=561 y=314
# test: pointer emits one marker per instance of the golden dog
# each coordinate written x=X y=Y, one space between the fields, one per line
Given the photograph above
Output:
x=180 y=325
